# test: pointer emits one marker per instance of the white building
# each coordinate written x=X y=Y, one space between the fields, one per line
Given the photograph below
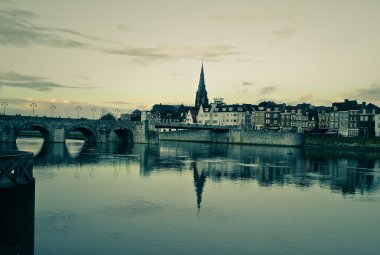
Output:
x=219 y=113
x=377 y=125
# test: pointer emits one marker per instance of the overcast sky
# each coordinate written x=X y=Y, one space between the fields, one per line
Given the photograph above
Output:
x=131 y=54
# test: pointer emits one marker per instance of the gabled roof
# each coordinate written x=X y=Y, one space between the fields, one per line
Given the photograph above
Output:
x=369 y=108
x=346 y=105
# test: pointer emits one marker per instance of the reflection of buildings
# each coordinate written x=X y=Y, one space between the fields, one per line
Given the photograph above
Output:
x=342 y=171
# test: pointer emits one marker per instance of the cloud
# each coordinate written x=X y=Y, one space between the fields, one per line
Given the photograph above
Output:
x=246 y=83
x=267 y=90
x=118 y=102
x=285 y=32
x=168 y=52
x=15 y=80
x=305 y=98
x=252 y=18
x=370 y=93
x=123 y=27
x=17 y=28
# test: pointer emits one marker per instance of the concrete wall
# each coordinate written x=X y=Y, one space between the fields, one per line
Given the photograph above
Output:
x=236 y=136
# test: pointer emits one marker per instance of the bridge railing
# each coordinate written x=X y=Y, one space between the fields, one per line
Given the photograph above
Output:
x=15 y=168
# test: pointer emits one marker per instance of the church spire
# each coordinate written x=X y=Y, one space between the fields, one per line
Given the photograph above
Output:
x=201 y=95
x=202 y=84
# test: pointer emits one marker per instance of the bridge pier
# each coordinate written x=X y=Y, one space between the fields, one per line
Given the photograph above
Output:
x=145 y=132
x=7 y=132
x=57 y=135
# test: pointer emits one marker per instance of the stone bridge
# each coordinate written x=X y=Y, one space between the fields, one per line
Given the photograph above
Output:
x=56 y=130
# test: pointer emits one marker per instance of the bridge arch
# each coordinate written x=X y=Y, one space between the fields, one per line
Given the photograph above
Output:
x=36 y=125
x=88 y=132
x=123 y=135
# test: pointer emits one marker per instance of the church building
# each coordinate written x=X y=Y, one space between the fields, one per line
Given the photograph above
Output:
x=201 y=95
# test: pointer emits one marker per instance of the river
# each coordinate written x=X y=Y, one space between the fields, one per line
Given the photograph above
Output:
x=195 y=198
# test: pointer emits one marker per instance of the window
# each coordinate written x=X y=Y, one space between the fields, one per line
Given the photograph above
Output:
x=267 y=121
x=267 y=115
x=275 y=115
x=275 y=122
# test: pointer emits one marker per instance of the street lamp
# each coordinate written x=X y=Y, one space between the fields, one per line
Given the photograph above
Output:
x=93 y=113
x=78 y=108
x=4 y=104
x=117 y=113
x=33 y=105
x=52 y=107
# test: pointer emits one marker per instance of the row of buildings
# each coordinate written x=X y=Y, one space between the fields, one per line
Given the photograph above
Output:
x=348 y=118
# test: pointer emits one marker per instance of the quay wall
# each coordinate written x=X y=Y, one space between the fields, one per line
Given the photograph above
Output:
x=236 y=136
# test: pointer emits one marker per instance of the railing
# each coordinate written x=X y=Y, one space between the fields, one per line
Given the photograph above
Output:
x=15 y=168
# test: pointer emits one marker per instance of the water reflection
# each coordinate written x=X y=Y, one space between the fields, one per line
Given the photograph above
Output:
x=99 y=198
x=342 y=171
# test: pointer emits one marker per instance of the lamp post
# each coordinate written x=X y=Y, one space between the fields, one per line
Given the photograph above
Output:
x=117 y=113
x=4 y=104
x=33 y=105
x=93 y=113
x=52 y=107
x=78 y=108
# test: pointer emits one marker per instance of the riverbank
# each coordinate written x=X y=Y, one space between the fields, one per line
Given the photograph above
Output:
x=342 y=142
x=236 y=136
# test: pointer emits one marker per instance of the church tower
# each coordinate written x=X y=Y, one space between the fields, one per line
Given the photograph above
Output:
x=201 y=95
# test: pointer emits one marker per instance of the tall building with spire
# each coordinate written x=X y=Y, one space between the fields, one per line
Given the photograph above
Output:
x=201 y=95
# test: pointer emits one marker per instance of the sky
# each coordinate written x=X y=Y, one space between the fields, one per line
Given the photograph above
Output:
x=132 y=54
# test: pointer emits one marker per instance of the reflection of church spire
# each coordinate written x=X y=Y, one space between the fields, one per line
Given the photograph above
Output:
x=199 y=183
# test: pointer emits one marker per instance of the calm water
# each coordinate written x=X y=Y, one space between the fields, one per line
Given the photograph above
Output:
x=192 y=198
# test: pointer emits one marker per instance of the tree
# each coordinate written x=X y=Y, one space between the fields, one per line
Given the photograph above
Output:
x=108 y=116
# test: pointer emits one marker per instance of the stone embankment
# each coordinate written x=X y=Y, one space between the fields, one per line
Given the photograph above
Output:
x=236 y=136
